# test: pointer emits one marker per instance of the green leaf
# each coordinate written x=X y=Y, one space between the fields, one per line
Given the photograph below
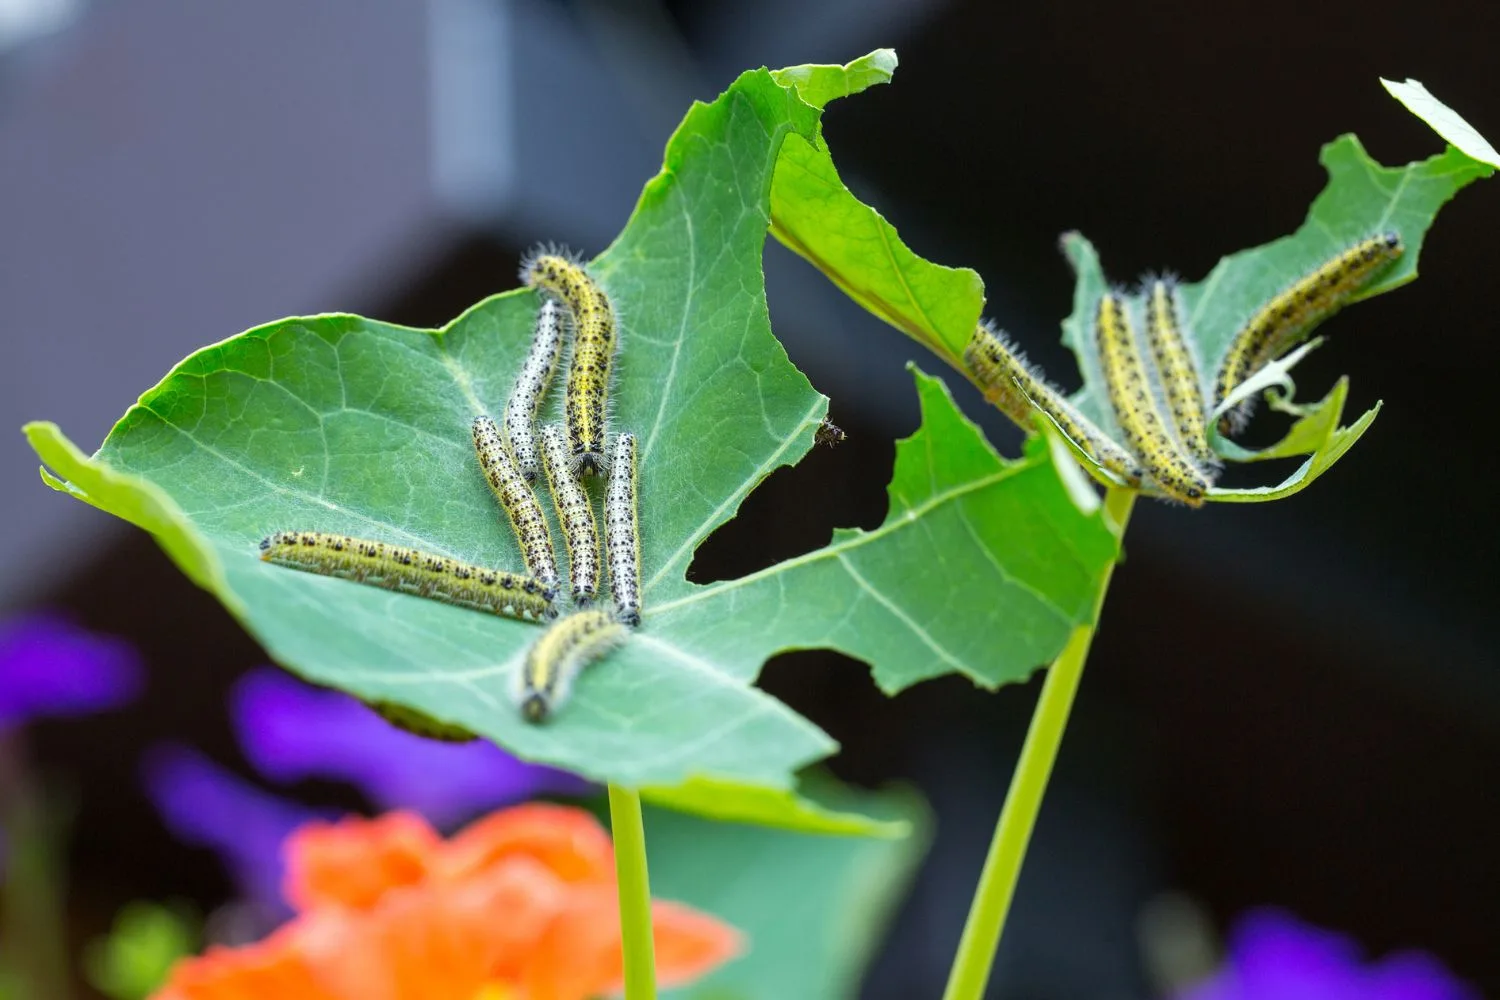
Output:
x=1361 y=198
x=1444 y=120
x=819 y=84
x=729 y=802
x=814 y=214
x=345 y=424
x=1316 y=434
x=814 y=908
x=973 y=549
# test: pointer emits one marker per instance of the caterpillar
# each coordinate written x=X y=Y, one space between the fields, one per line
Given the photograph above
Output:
x=829 y=433
x=1135 y=406
x=420 y=723
x=1287 y=318
x=546 y=676
x=622 y=538
x=519 y=503
x=1011 y=385
x=576 y=515
x=411 y=571
x=531 y=388
x=594 y=337
x=1181 y=383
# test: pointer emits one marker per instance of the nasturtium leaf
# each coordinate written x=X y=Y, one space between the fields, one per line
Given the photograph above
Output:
x=982 y=567
x=736 y=803
x=814 y=214
x=814 y=909
x=1444 y=120
x=340 y=423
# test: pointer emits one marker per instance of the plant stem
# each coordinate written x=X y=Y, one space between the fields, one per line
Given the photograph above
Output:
x=635 y=893
x=997 y=883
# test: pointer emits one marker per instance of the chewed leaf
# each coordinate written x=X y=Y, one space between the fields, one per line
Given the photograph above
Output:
x=817 y=216
x=1361 y=198
x=1444 y=120
x=1317 y=435
x=343 y=424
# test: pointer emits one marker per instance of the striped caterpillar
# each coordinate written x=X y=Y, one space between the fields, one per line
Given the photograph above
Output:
x=622 y=537
x=1135 y=406
x=1278 y=325
x=411 y=571
x=517 y=500
x=576 y=515
x=1009 y=383
x=594 y=341
x=546 y=676
x=530 y=389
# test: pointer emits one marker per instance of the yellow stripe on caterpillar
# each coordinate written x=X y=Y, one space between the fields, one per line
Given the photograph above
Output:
x=1181 y=378
x=576 y=515
x=1135 y=409
x=1010 y=384
x=411 y=571
x=545 y=679
x=594 y=341
x=1292 y=314
x=517 y=500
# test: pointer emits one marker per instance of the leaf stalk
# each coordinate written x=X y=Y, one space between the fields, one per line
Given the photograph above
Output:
x=1002 y=867
x=635 y=893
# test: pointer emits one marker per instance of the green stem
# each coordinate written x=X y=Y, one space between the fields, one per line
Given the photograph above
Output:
x=635 y=893
x=997 y=883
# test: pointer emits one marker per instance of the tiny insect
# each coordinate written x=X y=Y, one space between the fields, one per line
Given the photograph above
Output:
x=1010 y=384
x=545 y=679
x=576 y=515
x=1288 y=318
x=411 y=571
x=518 y=502
x=622 y=538
x=594 y=342
x=420 y=723
x=1135 y=406
x=1181 y=381
x=829 y=433
x=531 y=388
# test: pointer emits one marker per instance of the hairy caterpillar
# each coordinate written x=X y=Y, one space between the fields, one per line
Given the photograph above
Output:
x=519 y=503
x=420 y=723
x=576 y=515
x=1181 y=383
x=622 y=538
x=1135 y=406
x=531 y=387
x=1288 y=317
x=1011 y=385
x=828 y=433
x=594 y=337
x=411 y=571
x=546 y=676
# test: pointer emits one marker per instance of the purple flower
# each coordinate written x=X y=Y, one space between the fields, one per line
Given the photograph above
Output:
x=50 y=667
x=1274 y=956
x=207 y=806
x=291 y=730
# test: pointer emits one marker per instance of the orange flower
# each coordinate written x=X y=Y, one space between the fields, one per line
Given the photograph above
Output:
x=354 y=862
x=520 y=905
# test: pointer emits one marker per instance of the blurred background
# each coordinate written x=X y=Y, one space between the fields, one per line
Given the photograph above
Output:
x=1293 y=703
